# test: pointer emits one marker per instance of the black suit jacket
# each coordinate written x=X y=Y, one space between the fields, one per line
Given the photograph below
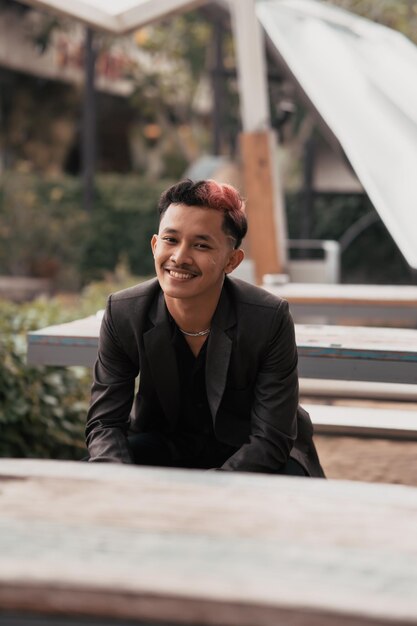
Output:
x=251 y=378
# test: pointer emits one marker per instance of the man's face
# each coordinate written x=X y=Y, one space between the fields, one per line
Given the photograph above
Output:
x=192 y=252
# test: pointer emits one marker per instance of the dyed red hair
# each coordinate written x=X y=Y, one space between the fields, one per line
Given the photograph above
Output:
x=211 y=195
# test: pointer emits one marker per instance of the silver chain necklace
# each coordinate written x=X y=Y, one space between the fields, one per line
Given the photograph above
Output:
x=201 y=333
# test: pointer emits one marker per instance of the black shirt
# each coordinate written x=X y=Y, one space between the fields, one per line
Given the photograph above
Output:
x=194 y=438
x=195 y=416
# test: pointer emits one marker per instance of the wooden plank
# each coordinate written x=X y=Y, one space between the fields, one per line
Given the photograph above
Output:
x=383 y=295
x=374 y=342
x=343 y=365
x=316 y=387
x=72 y=343
x=378 y=341
x=205 y=547
x=357 y=353
x=391 y=423
x=354 y=304
x=363 y=305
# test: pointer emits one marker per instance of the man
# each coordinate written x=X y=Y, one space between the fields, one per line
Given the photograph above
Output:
x=216 y=357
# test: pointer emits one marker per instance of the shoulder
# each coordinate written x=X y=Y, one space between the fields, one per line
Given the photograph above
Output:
x=133 y=304
x=261 y=316
x=248 y=295
x=142 y=291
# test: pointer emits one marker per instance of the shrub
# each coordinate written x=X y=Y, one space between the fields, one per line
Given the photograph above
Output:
x=41 y=228
x=43 y=409
x=121 y=226
x=373 y=257
x=45 y=232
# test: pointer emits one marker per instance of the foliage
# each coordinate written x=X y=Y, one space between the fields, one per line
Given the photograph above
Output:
x=41 y=228
x=18 y=7
x=398 y=14
x=44 y=232
x=94 y=295
x=40 y=120
x=173 y=96
x=158 y=130
x=372 y=258
x=43 y=409
x=176 y=55
x=121 y=226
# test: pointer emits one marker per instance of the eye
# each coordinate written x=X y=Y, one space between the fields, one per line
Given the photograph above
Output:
x=202 y=246
x=170 y=240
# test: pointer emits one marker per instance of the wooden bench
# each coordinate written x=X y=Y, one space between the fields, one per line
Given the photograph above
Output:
x=395 y=422
x=326 y=352
x=360 y=305
x=382 y=359
x=169 y=547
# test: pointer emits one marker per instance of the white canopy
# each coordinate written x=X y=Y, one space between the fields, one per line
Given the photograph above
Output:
x=362 y=79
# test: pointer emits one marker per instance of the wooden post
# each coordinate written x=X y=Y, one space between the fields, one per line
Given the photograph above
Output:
x=264 y=209
x=267 y=225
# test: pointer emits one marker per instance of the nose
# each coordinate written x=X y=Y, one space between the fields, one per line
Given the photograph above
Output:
x=181 y=255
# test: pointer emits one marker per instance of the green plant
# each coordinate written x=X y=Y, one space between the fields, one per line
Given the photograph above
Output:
x=45 y=232
x=121 y=226
x=372 y=258
x=41 y=228
x=42 y=409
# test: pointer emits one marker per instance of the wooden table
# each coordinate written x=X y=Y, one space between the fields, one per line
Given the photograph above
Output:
x=367 y=305
x=325 y=352
x=193 y=547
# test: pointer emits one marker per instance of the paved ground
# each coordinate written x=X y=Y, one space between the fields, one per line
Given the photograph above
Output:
x=371 y=460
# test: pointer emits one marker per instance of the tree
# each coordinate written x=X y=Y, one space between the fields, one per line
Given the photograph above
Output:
x=173 y=95
x=400 y=15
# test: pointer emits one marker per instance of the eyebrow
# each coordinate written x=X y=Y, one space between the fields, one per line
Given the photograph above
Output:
x=173 y=231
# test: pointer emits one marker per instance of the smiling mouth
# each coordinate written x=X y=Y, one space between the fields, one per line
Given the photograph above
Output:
x=180 y=275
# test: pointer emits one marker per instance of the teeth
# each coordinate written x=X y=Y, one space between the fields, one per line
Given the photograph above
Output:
x=179 y=275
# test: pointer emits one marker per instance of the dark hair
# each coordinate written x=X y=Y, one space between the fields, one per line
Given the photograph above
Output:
x=211 y=195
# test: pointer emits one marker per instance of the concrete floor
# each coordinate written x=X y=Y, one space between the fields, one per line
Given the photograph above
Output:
x=370 y=460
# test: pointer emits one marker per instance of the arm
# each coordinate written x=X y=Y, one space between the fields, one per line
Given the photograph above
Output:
x=111 y=397
x=274 y=408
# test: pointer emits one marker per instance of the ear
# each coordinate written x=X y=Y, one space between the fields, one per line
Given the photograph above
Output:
x=154 y=241
x=235 y=259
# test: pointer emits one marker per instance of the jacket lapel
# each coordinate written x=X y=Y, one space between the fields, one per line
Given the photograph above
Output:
x=219 y=350
x=162 y=360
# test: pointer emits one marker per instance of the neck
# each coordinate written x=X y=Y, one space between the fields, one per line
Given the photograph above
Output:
x=189 y=316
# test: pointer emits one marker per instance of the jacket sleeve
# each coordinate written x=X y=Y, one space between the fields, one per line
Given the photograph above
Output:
x=111 y=397
x=273 y=428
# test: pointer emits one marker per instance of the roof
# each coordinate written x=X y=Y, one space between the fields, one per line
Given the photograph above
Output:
x=360 y=77
x=117 y=16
